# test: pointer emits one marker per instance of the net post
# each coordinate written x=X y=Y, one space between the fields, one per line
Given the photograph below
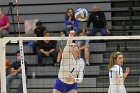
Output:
x=22 y=65
x=2 y=66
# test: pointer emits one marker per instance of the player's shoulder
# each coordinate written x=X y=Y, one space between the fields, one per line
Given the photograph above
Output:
x=116 y=67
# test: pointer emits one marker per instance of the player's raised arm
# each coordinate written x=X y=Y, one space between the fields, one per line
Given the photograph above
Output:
x=66 y=51
x=127 y=71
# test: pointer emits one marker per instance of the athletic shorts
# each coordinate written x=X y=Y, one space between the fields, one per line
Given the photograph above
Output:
x=63 y=87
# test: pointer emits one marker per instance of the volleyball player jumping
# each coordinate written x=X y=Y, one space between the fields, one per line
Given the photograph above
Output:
x=71 y=69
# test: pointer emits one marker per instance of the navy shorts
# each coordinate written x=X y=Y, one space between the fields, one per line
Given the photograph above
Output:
x=63 y=87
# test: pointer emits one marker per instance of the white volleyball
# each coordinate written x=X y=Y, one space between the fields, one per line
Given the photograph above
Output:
x=81 y=14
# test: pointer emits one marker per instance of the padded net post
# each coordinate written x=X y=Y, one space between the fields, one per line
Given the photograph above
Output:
x=22 y=66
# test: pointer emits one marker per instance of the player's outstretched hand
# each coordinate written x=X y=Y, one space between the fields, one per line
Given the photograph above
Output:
x=72 y=33
x=127 y=71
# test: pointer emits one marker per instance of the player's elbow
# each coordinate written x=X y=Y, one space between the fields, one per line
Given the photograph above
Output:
x=78 y=80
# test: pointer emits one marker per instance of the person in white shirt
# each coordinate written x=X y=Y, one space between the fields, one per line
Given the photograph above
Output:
x=116 y=74
x=71 y=69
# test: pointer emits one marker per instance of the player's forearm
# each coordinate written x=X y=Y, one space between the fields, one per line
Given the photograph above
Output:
x=81 y=48
x=125 y=75
x=69 y=42
x=78 y=80
x=67 y=48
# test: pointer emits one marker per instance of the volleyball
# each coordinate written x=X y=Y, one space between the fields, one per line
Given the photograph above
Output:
x=81 y=14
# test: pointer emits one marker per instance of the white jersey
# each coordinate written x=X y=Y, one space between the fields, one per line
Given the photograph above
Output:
x=70 y=66
x=116 y=80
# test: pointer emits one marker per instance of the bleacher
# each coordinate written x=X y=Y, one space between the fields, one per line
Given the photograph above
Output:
x=51 y=13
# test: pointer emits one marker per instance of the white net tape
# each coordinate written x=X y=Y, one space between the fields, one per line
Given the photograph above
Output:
x=21 y=39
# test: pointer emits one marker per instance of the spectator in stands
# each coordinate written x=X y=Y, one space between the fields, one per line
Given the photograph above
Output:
x=61 y=45
x=4 y=24
x=97 y=17
x=47 y=48
x=16 y=73
x=38 y=32
x=116 y=74
x=70 y=21
x=83 y=46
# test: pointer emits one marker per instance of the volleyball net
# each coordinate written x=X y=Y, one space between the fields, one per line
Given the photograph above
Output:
x=40 y=76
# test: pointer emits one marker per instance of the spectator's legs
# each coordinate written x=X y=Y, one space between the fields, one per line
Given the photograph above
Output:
x=40 y=57
x=59 y=56
x=103 y=31
x=87 y=55
x=76 y=29
x=53 y=55
x=9 y=79
x=67 y=31
x=20 y=88
x=94 y=31
x=35 y=48
x=3 y=33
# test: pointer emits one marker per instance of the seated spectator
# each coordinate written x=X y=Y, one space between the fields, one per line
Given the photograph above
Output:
x=47 y=48
x=38 y=32
x=70 y=21
x=83 y=46
x=97 y=17
x=16 y=73
x=4 y=24
x=61 y=45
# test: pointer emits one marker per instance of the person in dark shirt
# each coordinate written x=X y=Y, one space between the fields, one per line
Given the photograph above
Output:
x=38 y=32
x=16 y=73
x=47 y=48
x=97 y=17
